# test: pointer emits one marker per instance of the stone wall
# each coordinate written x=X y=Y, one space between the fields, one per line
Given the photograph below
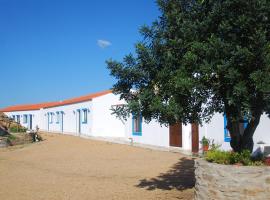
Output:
x=214 y=181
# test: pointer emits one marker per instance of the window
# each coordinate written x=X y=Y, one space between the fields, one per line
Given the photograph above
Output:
x=227 y=136
x=24 y=119
x=137 y=125
x=18 y=119
x=57 y=117
x=13 y=117
x=84 y=116
x=51 y=118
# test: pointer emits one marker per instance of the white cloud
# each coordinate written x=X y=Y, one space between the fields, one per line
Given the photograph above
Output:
x=103 y=43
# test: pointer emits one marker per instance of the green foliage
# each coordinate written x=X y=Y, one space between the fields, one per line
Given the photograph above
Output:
x=10 y=139
x=243 y=157
x=199 y=58
x=220 y=157
x=214 y=146
x=205 y=141
x=17 y=129
x=225 y=157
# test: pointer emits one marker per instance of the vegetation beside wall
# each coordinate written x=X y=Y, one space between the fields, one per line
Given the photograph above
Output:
x=17 y=129
x=233 y=158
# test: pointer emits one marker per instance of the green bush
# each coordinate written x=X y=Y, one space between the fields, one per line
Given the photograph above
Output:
x=10 y=139
x=218 y=156
x=225 y=157
x=15 y=129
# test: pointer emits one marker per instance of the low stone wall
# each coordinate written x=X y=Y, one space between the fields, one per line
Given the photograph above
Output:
x=3 y=142
x=214 y=181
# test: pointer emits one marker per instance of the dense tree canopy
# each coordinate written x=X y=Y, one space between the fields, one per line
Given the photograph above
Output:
x=199 y=58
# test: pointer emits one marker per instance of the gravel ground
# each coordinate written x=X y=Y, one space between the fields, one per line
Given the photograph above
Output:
x=66 y=167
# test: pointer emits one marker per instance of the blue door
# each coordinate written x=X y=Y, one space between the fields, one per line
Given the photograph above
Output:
x=30 y=126
x=61 y=121
x=79 y=121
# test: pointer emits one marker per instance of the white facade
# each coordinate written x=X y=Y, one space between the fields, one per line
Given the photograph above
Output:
x=29 y=119
x=215 y=131
x=88 y=118
x=68 y=118
x=93 y=117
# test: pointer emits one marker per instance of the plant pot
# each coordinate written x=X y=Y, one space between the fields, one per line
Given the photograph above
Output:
x=205 y=148
x=267 y=161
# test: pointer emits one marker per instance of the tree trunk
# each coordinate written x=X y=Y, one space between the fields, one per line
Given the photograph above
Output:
x=243 y=140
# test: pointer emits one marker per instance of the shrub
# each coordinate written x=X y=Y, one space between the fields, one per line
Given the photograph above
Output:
x=10 y=139
x=205 y=141
x=218 y=156
x=17 y=129
x=225 y=157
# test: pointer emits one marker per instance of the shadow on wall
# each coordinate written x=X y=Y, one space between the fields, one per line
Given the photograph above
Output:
x=181 y=176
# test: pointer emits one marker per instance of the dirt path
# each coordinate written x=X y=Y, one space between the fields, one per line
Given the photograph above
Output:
x=67 y=167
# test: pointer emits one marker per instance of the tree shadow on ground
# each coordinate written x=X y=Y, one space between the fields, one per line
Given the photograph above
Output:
x=181 y=176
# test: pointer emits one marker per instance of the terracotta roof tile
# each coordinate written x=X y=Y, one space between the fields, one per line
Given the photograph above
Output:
x=54 y=104
x=80 y=99
x=27 y=107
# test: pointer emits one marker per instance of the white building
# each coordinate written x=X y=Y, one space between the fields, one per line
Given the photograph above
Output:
x=90 y=115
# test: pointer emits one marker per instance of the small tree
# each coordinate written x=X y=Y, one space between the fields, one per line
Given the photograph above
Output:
x=200 y=58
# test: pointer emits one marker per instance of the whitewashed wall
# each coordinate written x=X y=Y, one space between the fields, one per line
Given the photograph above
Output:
x=215 y=130
x=70 y=119
x=101 y=123
x=186 y=137
x=36 y=118
x=152 y=134
x=262 y=132
x=104 y=123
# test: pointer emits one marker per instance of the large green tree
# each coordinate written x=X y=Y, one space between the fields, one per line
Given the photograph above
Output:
x=200 y=58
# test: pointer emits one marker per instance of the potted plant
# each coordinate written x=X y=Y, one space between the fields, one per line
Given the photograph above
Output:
x=205 y=143
x=267 y=160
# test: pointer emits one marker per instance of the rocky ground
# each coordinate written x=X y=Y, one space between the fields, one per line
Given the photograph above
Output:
x=68 y=167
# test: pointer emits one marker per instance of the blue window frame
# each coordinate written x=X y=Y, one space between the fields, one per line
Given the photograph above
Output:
x=227 y=137
x=57 y=117
x=25 y=118
x=18 y=118
x=137 y=125
x=84 y=116
x=50 y=118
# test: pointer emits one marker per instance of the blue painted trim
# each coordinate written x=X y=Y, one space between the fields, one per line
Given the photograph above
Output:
x=57 y=117
x=18 y=118
x=133 y=132
x=227 y=138
x=25 y=119
x=245 y=122
x=62 y=121
x=84 y=116
x=80 y=121
x=50 y=117
x=48 y=125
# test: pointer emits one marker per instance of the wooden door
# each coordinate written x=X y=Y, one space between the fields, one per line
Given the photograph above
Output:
x=176 y=135
x=195 y=137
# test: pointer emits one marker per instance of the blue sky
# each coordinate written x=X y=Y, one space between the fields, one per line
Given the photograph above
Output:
x=56 y=49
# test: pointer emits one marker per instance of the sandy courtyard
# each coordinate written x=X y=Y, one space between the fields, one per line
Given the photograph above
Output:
x=66 y=167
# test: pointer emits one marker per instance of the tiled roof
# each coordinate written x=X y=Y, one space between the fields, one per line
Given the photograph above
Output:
x=80 y=99
x=54 y=104
x=28 y=107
